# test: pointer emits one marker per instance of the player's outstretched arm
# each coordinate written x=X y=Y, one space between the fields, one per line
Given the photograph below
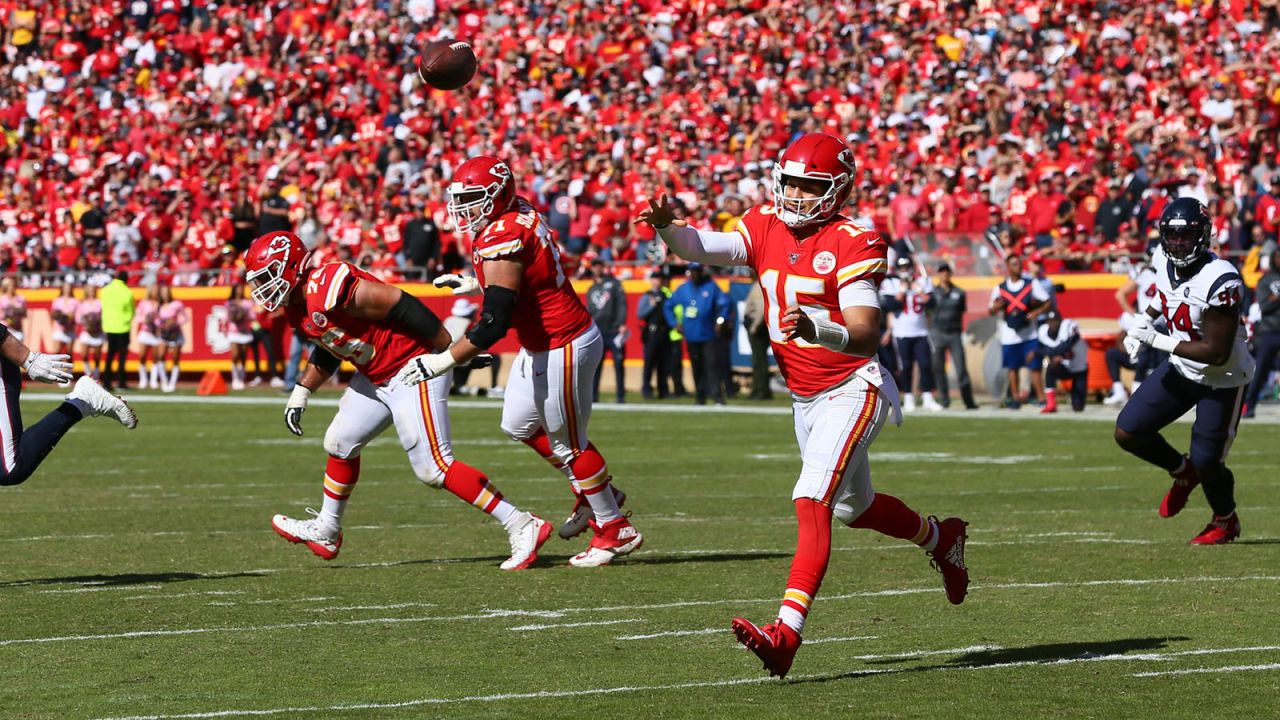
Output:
x=713 y=248
x=502 y=288
x=40 y=366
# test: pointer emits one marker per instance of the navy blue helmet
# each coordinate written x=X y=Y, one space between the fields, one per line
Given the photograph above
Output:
x=1185 y=227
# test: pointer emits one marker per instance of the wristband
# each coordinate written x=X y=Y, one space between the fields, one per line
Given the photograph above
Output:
x=830 y=335
x=299 y=396
x=1164 y=343
x=31 y=357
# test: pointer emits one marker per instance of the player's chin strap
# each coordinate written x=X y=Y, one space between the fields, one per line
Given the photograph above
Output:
x=830 y=335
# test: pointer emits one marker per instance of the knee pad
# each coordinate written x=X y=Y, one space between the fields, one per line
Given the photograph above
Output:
x=430 y=475
x=852 y=508
x=340 y=447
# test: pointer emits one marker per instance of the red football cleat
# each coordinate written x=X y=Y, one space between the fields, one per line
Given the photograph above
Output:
x=1184 y=481
x=614 y=539
x=948 y=557
x=1218 y=532
x=775 y=644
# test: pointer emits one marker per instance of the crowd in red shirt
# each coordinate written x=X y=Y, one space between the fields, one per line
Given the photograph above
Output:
x=156 y=134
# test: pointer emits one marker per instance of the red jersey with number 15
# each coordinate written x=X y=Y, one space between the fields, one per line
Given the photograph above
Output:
x=548 y=312
x=376 y=347
x=810 y=273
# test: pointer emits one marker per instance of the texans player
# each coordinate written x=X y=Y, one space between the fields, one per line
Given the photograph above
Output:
x=1209 y=366
x=22 y=451
x=820 y=273
x=353 y=316
x=549 y=392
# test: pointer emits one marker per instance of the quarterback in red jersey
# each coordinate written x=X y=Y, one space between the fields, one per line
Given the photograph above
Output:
x=351 y=315
x=548 y=397
x=820 y=273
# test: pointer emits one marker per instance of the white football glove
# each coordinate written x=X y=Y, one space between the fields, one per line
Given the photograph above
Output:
x=48 y=368
x=1142 y=330
x=1133 y=347
x=461 y=284
x=295 y=407
x=424 y=367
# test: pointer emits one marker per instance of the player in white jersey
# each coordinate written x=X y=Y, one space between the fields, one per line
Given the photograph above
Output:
x=1067 y=359
x=1200 y=297
x=908 y=296
x=1141 y=286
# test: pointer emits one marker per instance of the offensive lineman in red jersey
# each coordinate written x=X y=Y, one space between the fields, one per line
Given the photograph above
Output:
x=351 y=315
x=820 y=273
x=548 y=398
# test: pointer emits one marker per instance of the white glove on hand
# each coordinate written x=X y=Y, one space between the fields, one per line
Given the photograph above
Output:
x=48 y=368
x=1134 y=347
x=1142 y=330
x=424 y=367
x=295 y=407
x=461 y=284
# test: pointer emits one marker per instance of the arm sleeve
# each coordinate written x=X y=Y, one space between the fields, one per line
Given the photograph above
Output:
x=714 y=248
x=859 y=293
x=643 y=307
x=669 y=308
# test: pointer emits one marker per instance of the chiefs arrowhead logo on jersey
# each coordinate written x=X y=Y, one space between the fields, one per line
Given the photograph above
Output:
x=824 y=262
x=319 y=319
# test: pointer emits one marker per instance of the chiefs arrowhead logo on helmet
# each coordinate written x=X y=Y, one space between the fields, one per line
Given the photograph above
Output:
x=824 y=166
x=273 y=265
x=481 y=189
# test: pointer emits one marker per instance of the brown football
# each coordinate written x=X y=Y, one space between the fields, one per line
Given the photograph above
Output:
x=447 y=64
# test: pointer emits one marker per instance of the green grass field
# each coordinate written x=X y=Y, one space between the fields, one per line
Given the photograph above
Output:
x=140 y=577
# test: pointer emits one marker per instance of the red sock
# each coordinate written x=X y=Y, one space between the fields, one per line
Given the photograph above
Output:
x=591 y=478
x=474 y=487
x=541 y=444
x=890 y=516
x=813 y=552
x=340 y=477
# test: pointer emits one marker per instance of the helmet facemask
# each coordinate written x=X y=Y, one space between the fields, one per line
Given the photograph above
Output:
x=471 y=207
x=1184 y=243
x=801 y=211
x=269 y=286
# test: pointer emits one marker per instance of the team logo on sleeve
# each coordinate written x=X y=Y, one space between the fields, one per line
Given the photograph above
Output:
x=319 y=319
x=824 y=262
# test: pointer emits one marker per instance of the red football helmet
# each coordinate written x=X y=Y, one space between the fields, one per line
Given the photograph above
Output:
x=482 y=188
x=274 y=265
x=814 y=156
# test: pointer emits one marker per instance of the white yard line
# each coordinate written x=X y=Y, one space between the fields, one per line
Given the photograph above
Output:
x=851 y=638
x=589 y=623
x=1092 y=414
x=99 y=588
x=674 y=633
x=729 y=682
x=1195 y=671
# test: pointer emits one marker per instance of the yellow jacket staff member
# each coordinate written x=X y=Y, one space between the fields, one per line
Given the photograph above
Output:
x=117 y=318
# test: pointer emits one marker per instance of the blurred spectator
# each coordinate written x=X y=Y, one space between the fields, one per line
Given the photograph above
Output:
x=172 y=320
x=1266 y=333
x=698 y=309
x=1018 y=300
x=607 y=304
x=239 y=332
x=62 y=311
x=91 y=337
x=946 y=333
x=1066 y=358
x=117 y=320
x=907 y=299
x=753 y=319
x=422 y=242
x=13 y=309
x=657 y=336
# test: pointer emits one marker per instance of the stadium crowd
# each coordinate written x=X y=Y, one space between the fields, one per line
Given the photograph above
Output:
x=160 y=135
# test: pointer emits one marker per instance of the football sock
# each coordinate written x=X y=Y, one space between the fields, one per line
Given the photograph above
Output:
x=541 y=444
x=591 y=478
x=156 y=369
x=809 y=565
x=142 y=376
x=472 y=486
x=1153 y=448
x=1218 y=483
x=890 y=516
x=339 y=480
x=173 y=377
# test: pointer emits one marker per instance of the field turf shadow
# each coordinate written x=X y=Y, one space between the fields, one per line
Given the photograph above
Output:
x=129 y=578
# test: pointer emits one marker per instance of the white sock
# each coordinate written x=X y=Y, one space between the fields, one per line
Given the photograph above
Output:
x=1117 y=388
x=142 y=377
x=155 y=368
x=509 y=516
x=173 y=377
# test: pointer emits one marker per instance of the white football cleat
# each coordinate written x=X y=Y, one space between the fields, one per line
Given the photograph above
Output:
x=94 y=400
x=526 y=538
x=929 y=403
x=1117 y=397
x=908 y=402
x=321 y=540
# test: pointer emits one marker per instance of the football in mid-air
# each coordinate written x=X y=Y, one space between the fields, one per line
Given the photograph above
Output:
x=447 y=64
